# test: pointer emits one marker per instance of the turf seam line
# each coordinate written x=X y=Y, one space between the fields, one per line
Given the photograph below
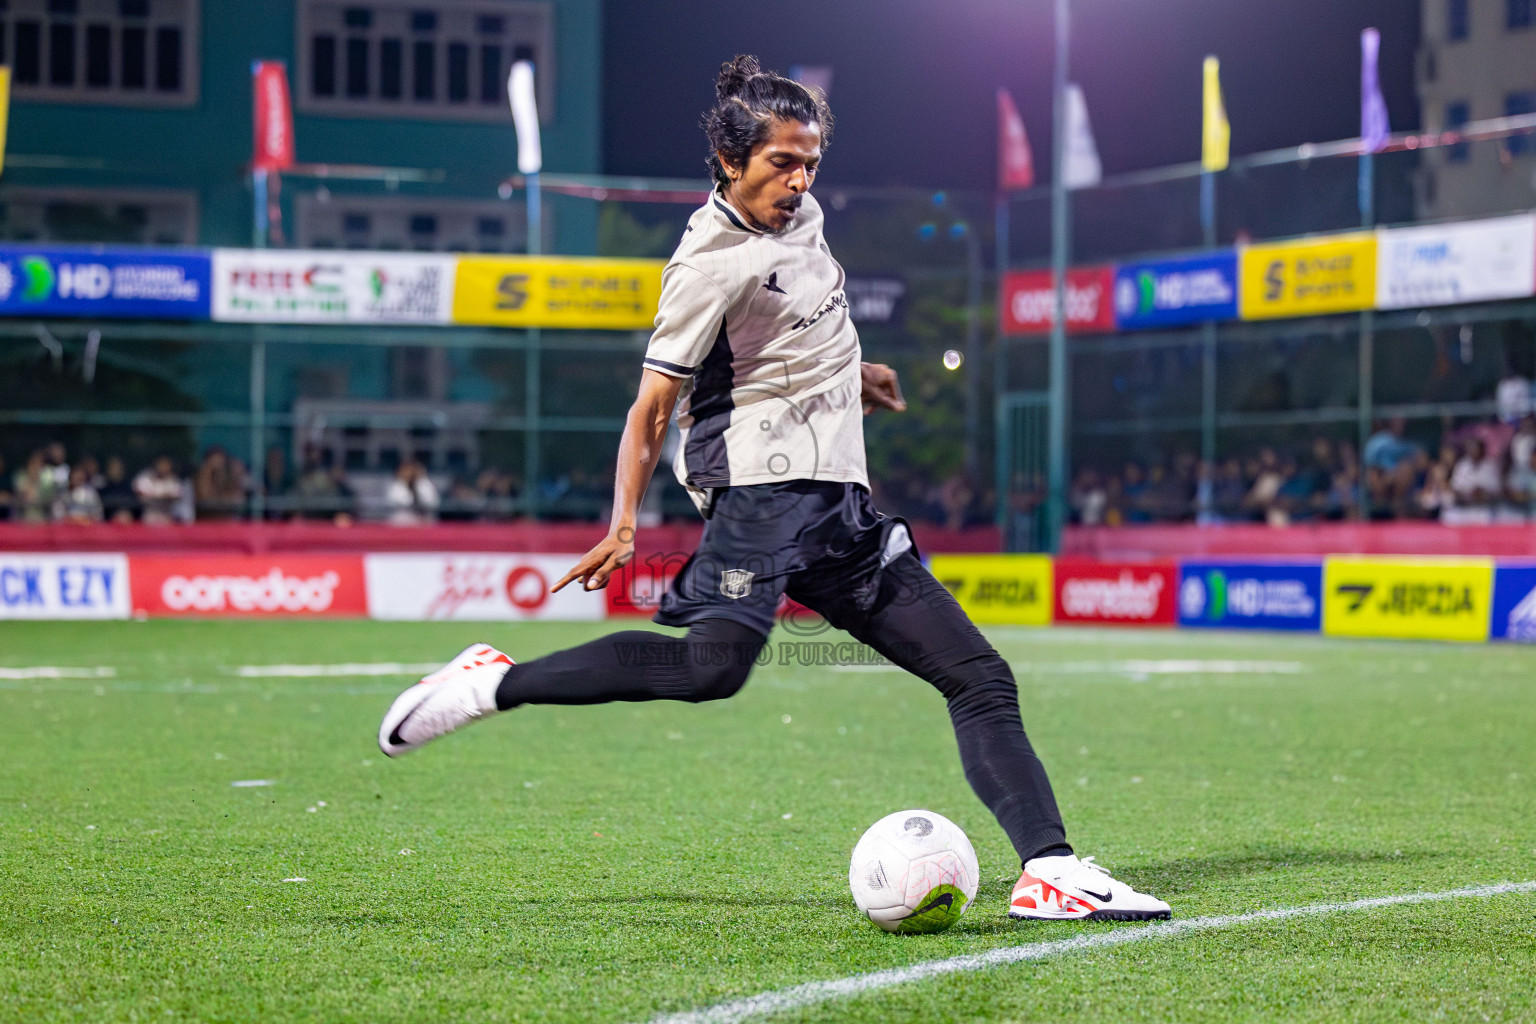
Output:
x=812 y=993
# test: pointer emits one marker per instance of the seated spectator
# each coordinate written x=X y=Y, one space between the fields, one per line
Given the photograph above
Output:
x=1476 y=483
x=955 y=496
x=411 y=498
x=1087 y=498
x=1229 y=491
x=275 y=479
x=1523 y=442
x=1387 y=447
x=118 y=502
x=1520 y=486
x=1436 y=497
x=1513 y=397
x=1260 y=499
x=33 y=490
x=1297 y=498
x=1134 y=491
x=80 y=502
x=56 y=465
x=159 y=491
x=465 y=502
x=1168 y=498
x=219 y=488
x=5 y=493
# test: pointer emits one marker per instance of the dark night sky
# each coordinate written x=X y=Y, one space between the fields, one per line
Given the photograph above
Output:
x=914 y=79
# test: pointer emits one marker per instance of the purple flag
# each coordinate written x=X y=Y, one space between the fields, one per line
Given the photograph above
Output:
x=1374 y=127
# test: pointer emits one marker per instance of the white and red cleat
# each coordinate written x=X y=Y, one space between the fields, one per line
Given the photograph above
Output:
x=1067 y=889
x=460 y=692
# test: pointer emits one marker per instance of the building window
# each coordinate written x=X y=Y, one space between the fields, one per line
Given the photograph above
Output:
x=332 y=221
x=98 y=215
x=1515 y=104
x=441 y=59
x=123 y=52
x=1456 y=115
x=1458 y=20
x=1517 y=13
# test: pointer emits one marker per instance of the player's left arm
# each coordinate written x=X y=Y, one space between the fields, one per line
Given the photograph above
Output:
x=880 y=388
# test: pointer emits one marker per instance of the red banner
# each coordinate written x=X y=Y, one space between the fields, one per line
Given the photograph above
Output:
x=636 y=589
x=1029 y=301
x=273 y=117
x=1129 y=594
x=247 y=585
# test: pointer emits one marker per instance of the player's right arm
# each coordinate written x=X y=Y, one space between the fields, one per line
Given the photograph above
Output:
x=639 y=452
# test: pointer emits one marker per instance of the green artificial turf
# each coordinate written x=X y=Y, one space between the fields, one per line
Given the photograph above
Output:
x=614 y=863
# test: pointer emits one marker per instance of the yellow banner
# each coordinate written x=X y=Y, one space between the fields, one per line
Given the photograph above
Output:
x=1331 y=275
x=1005 y=589
x=5 y=109
x=557 y=291
x=1412 y=599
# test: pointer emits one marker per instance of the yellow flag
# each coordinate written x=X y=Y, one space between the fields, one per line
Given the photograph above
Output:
x=5 y=109
x=1217 y=134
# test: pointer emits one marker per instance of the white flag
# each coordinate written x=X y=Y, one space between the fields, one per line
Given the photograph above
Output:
x=1081 y=169
x=525 y=117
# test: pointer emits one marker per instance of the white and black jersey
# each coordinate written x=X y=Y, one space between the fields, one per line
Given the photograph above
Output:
x=758 y=324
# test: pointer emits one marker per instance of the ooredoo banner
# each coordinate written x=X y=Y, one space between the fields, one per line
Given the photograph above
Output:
x=1409 y=598
x=1514 y=603
x=1012 y=589
x=1475 y=261
x=330 y=287
x=68 y=586
x=485 y=587
x=1029 y=301
x=1249 y=595
x=1128 y=593
x=248 y=585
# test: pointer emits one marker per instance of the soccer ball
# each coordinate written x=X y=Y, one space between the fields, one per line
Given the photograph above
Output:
x=913 y=872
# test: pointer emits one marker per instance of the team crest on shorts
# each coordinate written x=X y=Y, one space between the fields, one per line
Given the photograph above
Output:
x=736 y=583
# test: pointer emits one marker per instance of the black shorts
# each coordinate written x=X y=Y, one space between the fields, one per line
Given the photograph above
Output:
x=820 y=542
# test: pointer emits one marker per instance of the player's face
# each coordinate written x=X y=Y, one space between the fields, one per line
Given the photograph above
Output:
x=779 y=171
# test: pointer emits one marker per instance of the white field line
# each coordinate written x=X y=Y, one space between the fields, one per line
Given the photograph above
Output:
x=58 y=672
x=862 y=984
x=1163 y=667
x=371 y=668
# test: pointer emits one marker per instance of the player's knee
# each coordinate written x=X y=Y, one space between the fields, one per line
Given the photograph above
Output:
x=716 y=682
x=982 y=686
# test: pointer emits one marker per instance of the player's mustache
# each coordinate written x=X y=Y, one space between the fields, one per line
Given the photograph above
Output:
x=791 y=204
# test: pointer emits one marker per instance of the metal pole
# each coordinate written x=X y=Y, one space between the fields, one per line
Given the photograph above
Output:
x=1367 y=192
x=1000 y=444
x=531 y=429
x=972 y=357
x=535 y=216
x=1208 y=331
x=1056 y=465
x=260 y=225
x=258 y=422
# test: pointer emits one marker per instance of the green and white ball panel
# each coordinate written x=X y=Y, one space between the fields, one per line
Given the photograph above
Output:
x=913 y=872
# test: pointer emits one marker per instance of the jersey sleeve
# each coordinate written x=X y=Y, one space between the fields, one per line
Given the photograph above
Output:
x=688 y=320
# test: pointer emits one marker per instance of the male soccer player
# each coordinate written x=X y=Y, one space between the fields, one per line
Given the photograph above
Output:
x=755 y=350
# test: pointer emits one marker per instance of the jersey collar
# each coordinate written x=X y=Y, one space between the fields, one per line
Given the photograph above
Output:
x=725 y=207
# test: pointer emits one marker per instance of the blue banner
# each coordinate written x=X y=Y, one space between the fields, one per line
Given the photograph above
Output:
x=1252 y=595
x=1514 y=603
x=101 y=281
x=1165 y=293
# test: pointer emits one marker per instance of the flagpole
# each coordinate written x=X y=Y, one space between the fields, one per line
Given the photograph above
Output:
x=1208 y=332
x=1056 y=457
x=1000 y=367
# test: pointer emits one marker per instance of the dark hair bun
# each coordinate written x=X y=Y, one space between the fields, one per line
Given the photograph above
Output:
x=734 y=75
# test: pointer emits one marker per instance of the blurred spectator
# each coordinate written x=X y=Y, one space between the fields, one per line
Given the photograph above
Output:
x=33 y=490
x=1267 y=481
x=275 y=479
x=1477 y=484
x=1513 y=397
x=1088 y=498
x=219 y=487
x=118 y=501
x=466 y=502
x=955 y=498
x=412 y=498
x=1386 y=448
x=1524 y=441
x=159 y=491
x=79 y=502
x=1520 y=485
x=1134 y=492
x=1436 y=497
x=56 y=465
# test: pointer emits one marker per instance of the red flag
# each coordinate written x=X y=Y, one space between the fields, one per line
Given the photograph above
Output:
x=273 y=117
x=1015 y=165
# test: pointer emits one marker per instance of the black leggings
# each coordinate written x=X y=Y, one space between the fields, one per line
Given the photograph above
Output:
x=914 y=622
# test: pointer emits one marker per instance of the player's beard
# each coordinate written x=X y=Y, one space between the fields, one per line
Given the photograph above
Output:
x=790 y=206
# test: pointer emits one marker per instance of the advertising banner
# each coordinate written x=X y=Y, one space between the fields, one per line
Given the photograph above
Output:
x=326 y=287
x=1029 y=301
x=1252 y=595
x=1336 y=274
x=1442 y=264
x=1414 y=599
x=567 y=291
x=636 y=589
x=1132 y=593
x=476 y=587
x=1002 y=589
x=1514 y=603
x=1166 y=293
x=84 y=586
x=280 y=584
x=875 y=300
x=51 y=280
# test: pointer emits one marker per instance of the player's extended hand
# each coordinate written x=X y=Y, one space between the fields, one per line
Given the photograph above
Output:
x=880 y=388
x=612 y=553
